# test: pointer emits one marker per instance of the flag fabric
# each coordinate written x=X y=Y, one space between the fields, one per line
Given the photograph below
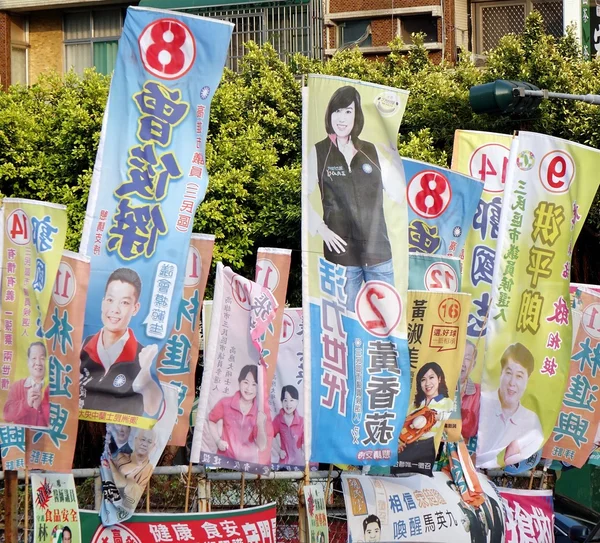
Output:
x=233 y=424
x=149 y=177
x=355 y=271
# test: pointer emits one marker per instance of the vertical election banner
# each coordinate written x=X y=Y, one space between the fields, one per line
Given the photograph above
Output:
x=436 y=341
x=178 y=360
x=233 y=424
x=580 y=413
x=420 y=508
x=316 y=512
x=273 y=272
x=149 y=177
x=53 y=449
x=529 y=515
x=355 y=270
x=55 y=509
x=550 y=185
x=287 y=398
x=483 y=155
x=33 y=240
x=441 y=203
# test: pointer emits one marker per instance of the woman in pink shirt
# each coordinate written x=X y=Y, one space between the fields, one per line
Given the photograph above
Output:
x=289 y=426
x=239 y=429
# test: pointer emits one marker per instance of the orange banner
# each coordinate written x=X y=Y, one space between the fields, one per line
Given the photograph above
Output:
x=178 y=360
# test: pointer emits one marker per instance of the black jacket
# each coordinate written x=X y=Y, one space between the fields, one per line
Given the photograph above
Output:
x=352 y=201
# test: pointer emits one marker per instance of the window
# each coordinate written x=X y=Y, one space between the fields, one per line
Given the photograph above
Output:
x=91 y=39
x=414 y=24
x=353 y=31
x=19 y=43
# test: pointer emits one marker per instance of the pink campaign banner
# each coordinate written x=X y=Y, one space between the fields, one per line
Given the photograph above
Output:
x=529 y=515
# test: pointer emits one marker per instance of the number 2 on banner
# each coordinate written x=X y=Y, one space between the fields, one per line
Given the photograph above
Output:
x=18 y=227
x=379 y=308
x=557 y=171
x=167 y=48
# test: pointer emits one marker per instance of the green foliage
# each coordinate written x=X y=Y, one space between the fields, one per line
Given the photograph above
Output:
x=49 y=132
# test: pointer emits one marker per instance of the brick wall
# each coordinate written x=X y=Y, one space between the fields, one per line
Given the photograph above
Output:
x=337 y=6
x=4 y=50
x=46 y=43
x=383 y=31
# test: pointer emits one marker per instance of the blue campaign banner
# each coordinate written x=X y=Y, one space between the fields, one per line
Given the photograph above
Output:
x=377 y=399
x=149 y=178
x=441 y=205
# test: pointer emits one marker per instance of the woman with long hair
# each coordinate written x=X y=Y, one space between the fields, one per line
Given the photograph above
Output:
x=352 y=175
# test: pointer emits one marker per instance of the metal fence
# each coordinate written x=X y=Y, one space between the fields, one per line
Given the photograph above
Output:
x=214 y=491
x=290 y=27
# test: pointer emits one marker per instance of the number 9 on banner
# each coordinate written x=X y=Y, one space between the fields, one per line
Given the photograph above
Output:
x=379 y=308
x=557 y=171
x=167 y=48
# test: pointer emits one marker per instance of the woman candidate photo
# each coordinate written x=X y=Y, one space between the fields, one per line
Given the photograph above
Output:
x=239 y=429
x=352 y=175
x=432 y=407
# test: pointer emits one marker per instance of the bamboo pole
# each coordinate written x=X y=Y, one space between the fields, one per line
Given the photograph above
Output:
x=11 y=489
x=148 y=496
x=187 y=487
x=243 y=490
x=26 y=504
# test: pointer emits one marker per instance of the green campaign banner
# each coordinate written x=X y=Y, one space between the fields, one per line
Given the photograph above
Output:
x=550 y=185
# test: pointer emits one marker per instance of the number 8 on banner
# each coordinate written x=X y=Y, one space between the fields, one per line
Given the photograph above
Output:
x=167 y=48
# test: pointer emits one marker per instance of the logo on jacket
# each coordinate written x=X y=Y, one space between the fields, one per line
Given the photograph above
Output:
x=367 y=168
x=119 y=380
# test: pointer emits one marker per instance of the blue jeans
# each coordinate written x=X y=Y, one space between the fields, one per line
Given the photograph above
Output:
x=356 y=275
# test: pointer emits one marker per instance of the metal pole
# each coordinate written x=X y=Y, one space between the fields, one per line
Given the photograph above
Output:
x=587 y=98
x=11 y=489
x=97 y=493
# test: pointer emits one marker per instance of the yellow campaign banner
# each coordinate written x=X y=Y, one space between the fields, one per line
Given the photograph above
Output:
x=178 y=360
x=580 y=412
x=53 y=449
x=483 y=155
x=550 y=185
x=437 y=323
x=33 y=240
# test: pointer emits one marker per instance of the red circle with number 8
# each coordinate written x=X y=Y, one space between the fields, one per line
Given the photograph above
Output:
x=557 y=171
x=429 y=194
x=167 y=48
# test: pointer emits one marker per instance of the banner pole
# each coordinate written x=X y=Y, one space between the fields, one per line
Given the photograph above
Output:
x=11 y=488
x=148 y=496
x=328 y=485
x=243 y=490
x=187 y=487
x=26 y=504
x=531 y=478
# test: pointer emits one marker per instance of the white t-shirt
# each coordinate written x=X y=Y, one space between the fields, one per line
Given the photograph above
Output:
x=496 y=431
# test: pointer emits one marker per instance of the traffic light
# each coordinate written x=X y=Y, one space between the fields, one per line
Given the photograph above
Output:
x=504 y=98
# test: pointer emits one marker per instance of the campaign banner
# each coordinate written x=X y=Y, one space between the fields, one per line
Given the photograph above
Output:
x=32 y=242
x=233 y=424
x=149 y=177
x=316 y=513
x=129 y=458
x=53 y=448
x=286 y=399
x=529 y=335
x=178 y=360
x=441 y=204
x=434 y=272
x=436 y=342
x=529 y=515
x=272 y=272
x=484 y=156
x=256 y=524
x=420 y=508
x=55 y=509
x=572 y=439
x=355 y=271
